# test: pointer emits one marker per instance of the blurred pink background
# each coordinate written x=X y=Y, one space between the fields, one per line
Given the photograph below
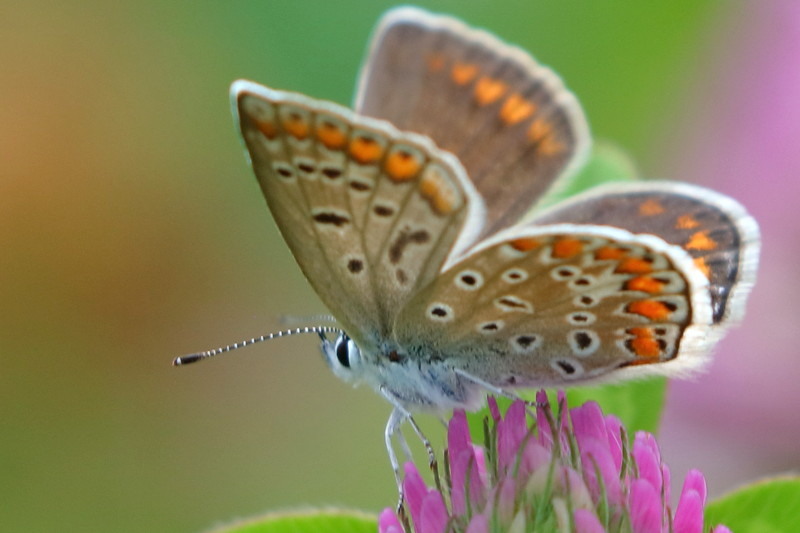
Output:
x=740 y=133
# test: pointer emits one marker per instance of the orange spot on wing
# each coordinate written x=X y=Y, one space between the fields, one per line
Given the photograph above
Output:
x=438 y=192
x=541 y=132
x=488 y=90
x=549 y=146
x=701 y=241
x=462 y=73
x=567 y=247
x=296 y=126
x=686 y=222
x=516 y=109
x=401 y=165
x=445 y=202
x=365 y=150
x=634 y=265
x=644 y=284
x=524 y=244
x=435 y=62
x=268 y=128
x=331 y=136
x=651 y=207
x=609 y=252
x=646 y=347
x=651 y=309
x=700 y=262
x=641 y=332
x=539 y=129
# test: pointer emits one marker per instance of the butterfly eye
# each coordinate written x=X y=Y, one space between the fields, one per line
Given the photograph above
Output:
x=343 y=350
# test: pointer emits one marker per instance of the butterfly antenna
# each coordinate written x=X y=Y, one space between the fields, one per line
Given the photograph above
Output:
x=290 y=320
x=194 y=357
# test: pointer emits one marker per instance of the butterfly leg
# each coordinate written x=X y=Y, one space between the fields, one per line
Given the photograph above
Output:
x=392 y=429
x=433 y=464
x=497 y=391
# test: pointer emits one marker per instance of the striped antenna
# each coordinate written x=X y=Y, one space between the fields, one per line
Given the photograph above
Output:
x=194 y=357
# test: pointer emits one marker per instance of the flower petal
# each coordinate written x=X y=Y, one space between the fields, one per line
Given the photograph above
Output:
x=545 y=437
x=414 y=491
x=697 y=482
x=434 y=517
x=534 y=457
x=614 y=434
x=478 y=524
x=505 y=500
x=460 y=452
x=595 y=457
x=511 y=431
x=493 y=408
x=388 y=522
x=689 y=514
x=587 y=522
x=644 y=507
x=478 y=477
x=588 y=423
x=458 y=438
x=648 y=459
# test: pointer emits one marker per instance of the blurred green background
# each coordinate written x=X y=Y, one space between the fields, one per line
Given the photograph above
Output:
x=132 y=231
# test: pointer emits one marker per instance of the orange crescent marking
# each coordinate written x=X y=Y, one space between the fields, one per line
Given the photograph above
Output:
x=651 y=207
x=268 y=128
x=365 y=150
x=441 y=197
x=651 y=309
x=567 y=248
x=462 y=73
x=538 y=129
x=296 y=127
x=634 y=265
x=701 y=241
x=700 y=262
x=646 y=347
x=644 y=284
x=488 y=90
x=331 y=136
x=686 y=222
x=516 y=109
x=549 y=146
x=401 y=165
x=609 y=252
x=524 y=244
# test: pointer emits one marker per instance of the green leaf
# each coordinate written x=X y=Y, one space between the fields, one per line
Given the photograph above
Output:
x=637 y=403
x=607 y=163
x=770 y=506
x=311 y=521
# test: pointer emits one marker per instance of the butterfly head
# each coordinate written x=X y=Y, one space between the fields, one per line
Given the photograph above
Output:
x=343 y=357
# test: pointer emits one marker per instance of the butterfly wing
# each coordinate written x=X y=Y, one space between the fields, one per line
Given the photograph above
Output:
x=715 y=230
x=564 y=303
x=369 y=213
x=508 y=119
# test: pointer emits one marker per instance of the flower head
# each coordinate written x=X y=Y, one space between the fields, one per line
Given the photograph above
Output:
x=571 y=470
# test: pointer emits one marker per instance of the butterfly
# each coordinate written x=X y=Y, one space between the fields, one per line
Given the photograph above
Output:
x=411 y=217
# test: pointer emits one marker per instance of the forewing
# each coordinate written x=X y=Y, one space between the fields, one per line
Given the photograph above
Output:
x=369 y=213
x=562 y=304
x=510 y=121
x=715 y=230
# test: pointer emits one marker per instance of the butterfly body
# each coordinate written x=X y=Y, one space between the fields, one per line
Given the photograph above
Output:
x=408 y=218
